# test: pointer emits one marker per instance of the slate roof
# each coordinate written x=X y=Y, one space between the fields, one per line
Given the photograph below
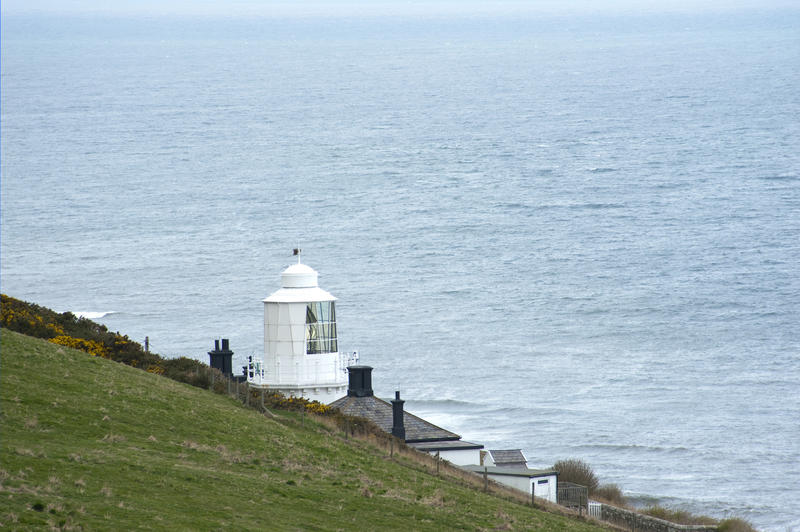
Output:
x=380 y=412
x=508 y=458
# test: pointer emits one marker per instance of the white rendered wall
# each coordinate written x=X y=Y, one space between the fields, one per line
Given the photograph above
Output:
x=520 y=483
x=323 y=394
x=547 y=491
x=460 y=457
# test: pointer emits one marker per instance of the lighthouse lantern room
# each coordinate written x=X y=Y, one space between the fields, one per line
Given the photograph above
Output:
x=301 y=351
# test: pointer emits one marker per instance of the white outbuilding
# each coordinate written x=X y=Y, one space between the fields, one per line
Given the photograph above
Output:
x=542 y=483
x=301 y=349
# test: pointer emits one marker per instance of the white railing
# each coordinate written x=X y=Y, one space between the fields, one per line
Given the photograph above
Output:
x=595 y=509
x=347 y=358
x=255 y=370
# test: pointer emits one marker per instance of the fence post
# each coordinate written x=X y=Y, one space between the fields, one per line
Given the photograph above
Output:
x=485 y=478
x=262 y=398
x=533 y=490
x=229 y=386
x=437 y=463
x=391 y=448
x=247 y=393
x=212 y=377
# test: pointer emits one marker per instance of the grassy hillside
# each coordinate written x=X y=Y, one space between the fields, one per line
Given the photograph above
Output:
x=88 y=443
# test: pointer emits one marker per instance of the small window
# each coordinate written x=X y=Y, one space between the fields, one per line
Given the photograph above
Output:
x=542 y=481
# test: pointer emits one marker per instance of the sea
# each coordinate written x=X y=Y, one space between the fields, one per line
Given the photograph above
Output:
x=571 y=233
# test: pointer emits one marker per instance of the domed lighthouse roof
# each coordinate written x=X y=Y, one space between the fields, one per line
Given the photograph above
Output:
x=299 y=276
x=299 y=284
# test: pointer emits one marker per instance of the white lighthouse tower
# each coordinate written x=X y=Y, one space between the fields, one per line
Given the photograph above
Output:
x=301 y=351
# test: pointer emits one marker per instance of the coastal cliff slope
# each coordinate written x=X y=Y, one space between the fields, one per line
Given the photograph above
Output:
x=88 y=443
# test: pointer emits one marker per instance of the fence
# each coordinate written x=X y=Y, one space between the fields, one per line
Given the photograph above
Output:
x=573 y=496
x=636 y=522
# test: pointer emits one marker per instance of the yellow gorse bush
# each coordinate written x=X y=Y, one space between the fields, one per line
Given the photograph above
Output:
x=155 y=369
x=90 y=346
x=296 y=403
x=12 y=315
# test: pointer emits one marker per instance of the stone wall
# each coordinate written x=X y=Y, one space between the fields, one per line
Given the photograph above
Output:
x=644 y=523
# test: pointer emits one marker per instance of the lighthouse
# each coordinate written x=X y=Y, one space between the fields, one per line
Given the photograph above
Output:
x=301 y=348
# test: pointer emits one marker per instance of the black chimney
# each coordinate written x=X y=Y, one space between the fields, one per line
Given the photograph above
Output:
x=360 y=381
x=222 y=359
x=398 y=427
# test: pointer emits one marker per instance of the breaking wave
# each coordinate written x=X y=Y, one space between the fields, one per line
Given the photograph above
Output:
x=89 y=315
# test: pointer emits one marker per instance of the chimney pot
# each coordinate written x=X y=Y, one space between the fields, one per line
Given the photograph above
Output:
x=360 y=381
x=222 y=359
x=398 y=423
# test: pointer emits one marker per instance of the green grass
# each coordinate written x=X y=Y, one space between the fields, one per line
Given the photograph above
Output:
x=91 y=444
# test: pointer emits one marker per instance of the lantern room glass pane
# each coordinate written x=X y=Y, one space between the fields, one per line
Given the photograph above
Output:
x=311 y=313
x=321 y=328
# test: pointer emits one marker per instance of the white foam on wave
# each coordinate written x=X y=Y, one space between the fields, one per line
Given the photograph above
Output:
x=92 y=315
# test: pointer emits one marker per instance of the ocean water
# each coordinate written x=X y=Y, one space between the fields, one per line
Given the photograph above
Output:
x=575 y=235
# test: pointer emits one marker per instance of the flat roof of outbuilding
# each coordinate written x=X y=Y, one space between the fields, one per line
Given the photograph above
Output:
x=510 y=471
x=445 y=445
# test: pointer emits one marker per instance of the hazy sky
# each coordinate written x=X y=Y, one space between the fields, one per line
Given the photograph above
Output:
x=377 y=7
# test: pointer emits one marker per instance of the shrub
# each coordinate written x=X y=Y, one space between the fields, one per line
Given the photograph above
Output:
x=187 y=370
x=280 y=401
x=735 y=525
x=610 y=493
x=678 y=516
x=578 y=472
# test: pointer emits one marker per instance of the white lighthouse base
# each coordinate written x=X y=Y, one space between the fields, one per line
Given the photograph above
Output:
x=324 y=393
